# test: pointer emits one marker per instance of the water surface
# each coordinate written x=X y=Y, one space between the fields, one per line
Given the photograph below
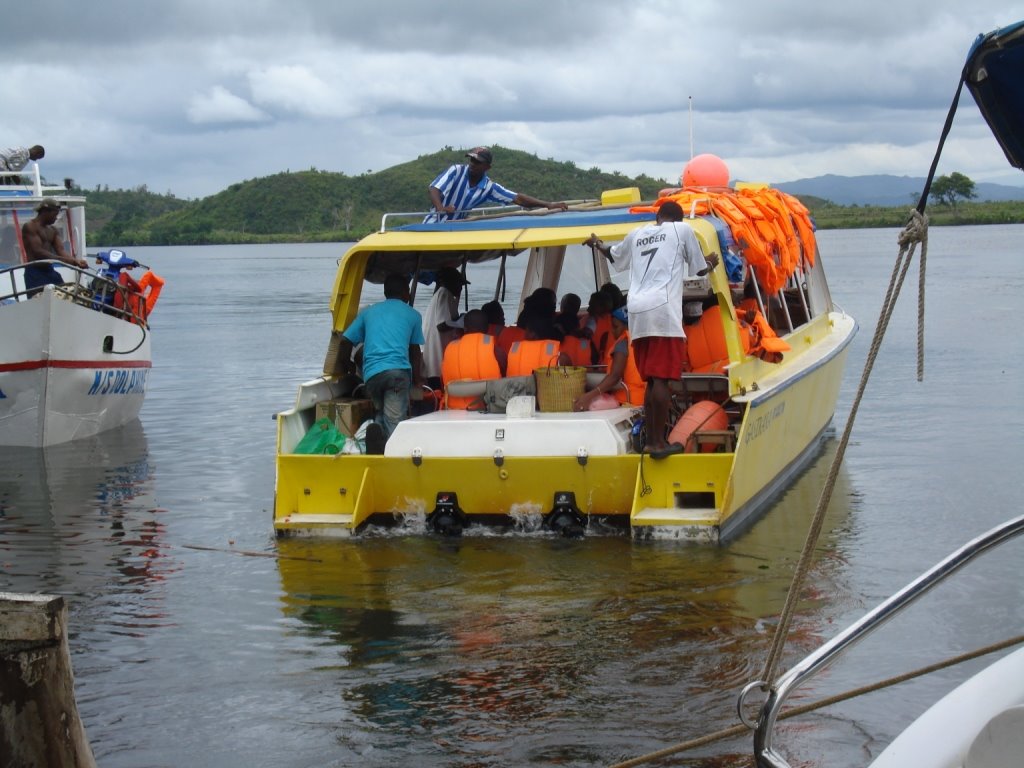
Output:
x=198 y=639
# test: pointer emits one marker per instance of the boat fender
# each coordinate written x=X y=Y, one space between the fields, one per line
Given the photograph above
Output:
x=702 y=415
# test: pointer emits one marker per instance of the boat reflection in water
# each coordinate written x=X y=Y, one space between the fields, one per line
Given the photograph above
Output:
x=469 y=644
x=78 y=510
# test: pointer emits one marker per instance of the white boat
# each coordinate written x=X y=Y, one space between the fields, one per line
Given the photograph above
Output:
x=74 y=358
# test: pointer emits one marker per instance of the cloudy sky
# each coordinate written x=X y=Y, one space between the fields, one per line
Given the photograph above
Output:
x=189 y=96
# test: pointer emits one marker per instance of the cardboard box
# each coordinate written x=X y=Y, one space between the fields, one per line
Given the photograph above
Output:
x=347 y=413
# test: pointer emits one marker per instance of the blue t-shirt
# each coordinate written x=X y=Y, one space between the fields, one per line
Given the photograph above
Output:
x=386 y=331
x=456 y=190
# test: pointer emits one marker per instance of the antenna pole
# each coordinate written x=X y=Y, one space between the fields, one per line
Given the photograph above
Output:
x=691 y=126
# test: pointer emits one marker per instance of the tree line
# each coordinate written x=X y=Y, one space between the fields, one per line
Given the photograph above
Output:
x=323 y=206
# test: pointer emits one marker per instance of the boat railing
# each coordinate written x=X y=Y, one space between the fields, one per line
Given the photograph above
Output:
x=764 y=754
x=86 y=288
x=15 y=181
x=485 y=212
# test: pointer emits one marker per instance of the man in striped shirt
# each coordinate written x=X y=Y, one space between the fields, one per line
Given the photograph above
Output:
x=462 y=187
x=15 y=159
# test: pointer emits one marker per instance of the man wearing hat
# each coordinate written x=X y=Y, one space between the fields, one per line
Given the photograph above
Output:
x=43 y=243
x=463 y=187
x=438 y=321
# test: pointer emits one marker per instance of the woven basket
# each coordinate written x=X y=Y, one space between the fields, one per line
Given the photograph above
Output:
x=559 y=386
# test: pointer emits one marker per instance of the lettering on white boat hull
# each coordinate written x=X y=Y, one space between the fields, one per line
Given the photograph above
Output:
x=119 y=381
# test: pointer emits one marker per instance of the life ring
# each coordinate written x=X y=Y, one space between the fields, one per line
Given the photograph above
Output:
x=155 y=284
x=702 y=415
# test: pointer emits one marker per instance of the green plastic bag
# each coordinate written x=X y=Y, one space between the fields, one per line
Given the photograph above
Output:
x=323 y=437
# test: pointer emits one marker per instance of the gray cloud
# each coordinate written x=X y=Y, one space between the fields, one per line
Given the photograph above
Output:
x=189 y=96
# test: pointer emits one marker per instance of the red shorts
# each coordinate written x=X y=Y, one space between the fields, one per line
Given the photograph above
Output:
x=660 y=357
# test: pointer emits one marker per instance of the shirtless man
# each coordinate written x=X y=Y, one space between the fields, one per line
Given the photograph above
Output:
x=43 y=242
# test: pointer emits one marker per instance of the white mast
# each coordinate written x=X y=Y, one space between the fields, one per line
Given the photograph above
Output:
x=691 y=126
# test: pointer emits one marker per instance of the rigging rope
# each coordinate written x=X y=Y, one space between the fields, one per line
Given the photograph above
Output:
x=916 y=231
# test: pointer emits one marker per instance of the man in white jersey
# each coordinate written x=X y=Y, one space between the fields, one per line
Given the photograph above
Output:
x=463 y=187
x=659 y=257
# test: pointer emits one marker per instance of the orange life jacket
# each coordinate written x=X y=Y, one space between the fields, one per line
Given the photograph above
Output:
x=767 y=344
x=578 y=350
x=470 y=357
x=630 y=374
x=706 y=342
x=509 y=335
x=154 y=283
x=136 y=302
x=773 y=229
x=602 y=334
x=526 y=356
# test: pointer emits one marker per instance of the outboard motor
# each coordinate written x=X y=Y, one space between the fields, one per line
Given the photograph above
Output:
x=448 y=519
x=566 y=518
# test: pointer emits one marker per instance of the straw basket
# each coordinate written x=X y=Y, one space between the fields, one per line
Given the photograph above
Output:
x=558 y=387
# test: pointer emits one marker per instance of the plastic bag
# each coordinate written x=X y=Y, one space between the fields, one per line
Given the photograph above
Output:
x=323 y=438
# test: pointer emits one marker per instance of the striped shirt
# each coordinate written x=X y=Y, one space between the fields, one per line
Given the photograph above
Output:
x=14 y=158
x=456 y=190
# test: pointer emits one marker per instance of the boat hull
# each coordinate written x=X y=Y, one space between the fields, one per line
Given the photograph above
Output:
x=67 y=371
x=515 y=477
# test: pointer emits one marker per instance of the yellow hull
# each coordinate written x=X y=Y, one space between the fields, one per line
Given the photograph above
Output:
x=702 y=496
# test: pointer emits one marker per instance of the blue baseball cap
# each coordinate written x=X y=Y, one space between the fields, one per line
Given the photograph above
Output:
x=620 y=315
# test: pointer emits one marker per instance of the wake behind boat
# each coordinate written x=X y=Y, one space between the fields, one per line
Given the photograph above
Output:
x=74 y=358
x=755 y=417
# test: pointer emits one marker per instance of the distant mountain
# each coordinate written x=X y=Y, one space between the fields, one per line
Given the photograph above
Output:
x=884 y=190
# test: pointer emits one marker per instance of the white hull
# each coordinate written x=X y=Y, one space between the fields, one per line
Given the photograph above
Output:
x=67 y=371
x=979 y=724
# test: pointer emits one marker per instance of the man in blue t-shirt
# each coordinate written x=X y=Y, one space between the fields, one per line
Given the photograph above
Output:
x=463 y=187
x=391 y=336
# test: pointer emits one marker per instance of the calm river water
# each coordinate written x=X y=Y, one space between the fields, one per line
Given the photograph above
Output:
x=198 y=639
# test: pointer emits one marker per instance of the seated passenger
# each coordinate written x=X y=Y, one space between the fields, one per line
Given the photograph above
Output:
x=599 y=323
x=542 y=304
x=535 y=351
x=495 y=314
x=579 y=350
x=621 y=367
x=474 y=356
x=567 y=319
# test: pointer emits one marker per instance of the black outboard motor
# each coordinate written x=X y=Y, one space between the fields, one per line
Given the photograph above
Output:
x=448 y=519
x=566 y=518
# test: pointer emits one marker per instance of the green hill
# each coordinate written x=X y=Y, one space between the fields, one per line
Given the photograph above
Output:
x=323 y=206
x=314 y=205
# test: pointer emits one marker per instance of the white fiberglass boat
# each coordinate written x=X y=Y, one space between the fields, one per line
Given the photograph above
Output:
x=74 y=358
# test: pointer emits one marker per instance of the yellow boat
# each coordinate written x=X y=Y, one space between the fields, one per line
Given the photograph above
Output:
x=569 y=472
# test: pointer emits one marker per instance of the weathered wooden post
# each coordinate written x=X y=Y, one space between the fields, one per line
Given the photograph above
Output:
x=39 y=725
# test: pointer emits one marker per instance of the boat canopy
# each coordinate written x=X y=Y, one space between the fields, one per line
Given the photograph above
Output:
x=993 y=75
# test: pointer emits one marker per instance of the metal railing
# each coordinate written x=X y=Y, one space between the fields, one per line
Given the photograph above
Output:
x=764 y=753
x=87 y=289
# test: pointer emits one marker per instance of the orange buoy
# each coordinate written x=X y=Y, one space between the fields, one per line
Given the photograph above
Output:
x=702 y=415
x=706 y=171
